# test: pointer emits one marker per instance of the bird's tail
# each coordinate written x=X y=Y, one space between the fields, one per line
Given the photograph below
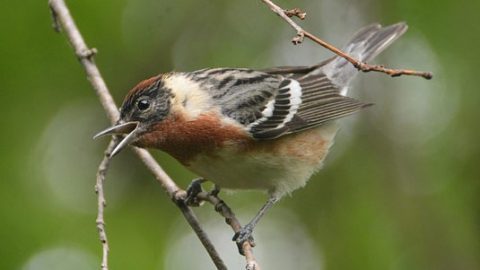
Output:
x=367 y=43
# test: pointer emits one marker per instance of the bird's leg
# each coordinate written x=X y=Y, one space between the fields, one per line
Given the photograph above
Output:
x=245 y=234
x=193 y=190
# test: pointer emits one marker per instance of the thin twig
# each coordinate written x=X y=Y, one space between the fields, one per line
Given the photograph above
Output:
x=188 y=214
x=63 y=19
x=301 y=33
x=225 y=211
x=102 y=203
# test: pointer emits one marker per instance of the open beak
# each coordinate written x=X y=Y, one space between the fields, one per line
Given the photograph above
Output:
x=129 y=128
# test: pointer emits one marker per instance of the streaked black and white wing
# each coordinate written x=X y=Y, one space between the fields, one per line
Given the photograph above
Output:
x=303 y=104
x=271 y=105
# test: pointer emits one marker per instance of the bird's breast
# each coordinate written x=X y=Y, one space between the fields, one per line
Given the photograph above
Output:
x=185 y=139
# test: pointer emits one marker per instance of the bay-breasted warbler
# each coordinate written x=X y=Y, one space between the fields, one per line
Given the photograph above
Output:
x=249 y=129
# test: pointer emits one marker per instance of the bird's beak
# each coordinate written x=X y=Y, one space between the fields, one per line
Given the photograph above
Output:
x=129 y=128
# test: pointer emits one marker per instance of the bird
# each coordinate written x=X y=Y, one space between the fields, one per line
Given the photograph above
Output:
x=245 y=129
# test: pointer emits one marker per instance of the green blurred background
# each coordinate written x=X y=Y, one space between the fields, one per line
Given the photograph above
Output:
x=400 y=189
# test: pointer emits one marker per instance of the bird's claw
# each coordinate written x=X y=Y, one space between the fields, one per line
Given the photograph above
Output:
x=192 y=191
x=245 y=234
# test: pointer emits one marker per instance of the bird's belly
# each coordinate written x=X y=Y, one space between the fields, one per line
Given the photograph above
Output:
x=278 y=166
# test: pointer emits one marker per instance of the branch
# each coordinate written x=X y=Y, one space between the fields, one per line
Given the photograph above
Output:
x=222 y=208
x=301 y=33
x=63 y=20
x=102 y=203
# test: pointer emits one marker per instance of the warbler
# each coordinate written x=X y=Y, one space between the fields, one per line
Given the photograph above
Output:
x=241 y=128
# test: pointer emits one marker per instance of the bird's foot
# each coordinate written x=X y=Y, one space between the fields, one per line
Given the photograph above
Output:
x=192 y=191
x=242 y=236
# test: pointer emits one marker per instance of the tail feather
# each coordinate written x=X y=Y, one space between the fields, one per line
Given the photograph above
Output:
x=367 y=43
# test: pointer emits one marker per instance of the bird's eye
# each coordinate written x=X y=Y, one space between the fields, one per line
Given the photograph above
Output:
x=143 y=104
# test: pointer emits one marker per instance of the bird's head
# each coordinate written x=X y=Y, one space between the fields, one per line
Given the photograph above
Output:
x=146 y=105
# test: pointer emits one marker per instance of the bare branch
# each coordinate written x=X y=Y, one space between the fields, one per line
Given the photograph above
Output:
x=63 y=20
x=225 y=211
x=301 y=33
x=102 y=203
x=188 y=214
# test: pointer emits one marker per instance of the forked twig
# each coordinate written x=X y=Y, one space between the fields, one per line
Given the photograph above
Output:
x=63 y=20
x=301 y=33
x=225 y=211
x=102 y=203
